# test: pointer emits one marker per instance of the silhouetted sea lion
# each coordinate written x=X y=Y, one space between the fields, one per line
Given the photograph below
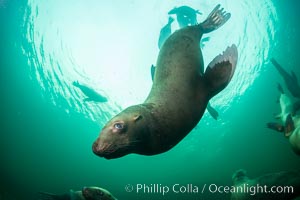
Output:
x=91 y=94
x=87 y=193
x=263 y=187
x=186 y=16
x=165 y=32
x=178 y=98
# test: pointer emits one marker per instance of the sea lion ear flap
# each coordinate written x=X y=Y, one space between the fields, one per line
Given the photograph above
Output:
x=137 y=118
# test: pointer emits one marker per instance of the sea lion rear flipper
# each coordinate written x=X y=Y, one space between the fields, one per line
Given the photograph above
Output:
x=220 y=70
x=289 y=126
x=275 y=126
x=212 y=111
x=215 y=19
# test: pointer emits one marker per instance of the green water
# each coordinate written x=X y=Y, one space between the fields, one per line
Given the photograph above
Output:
x=47 y=130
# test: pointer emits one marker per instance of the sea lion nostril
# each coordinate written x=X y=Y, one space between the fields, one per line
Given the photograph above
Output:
x=95 y=147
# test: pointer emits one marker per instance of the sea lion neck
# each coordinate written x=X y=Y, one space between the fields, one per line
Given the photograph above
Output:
x=151 y=129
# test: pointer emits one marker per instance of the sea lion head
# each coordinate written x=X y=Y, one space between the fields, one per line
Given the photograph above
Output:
x=96 y=193
x=123 y=134
x=240 y=177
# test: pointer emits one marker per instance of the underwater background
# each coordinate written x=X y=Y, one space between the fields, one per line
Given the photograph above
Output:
x=47 y=129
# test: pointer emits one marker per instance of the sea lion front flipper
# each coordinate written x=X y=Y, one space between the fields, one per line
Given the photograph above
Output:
x=203 y=40
x=275 y=126
x=220 y=70
x=279 y=87
x=280 y=69
x=289 y=126
x=198 y=12
x=152 y=72
x=212 y=111
x=294 y=77
x=277 y=116
x=215 y=19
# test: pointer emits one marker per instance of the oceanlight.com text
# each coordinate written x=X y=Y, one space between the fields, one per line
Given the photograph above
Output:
x=211 y=188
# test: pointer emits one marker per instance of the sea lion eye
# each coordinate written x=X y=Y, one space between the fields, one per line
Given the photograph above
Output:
x=119 y=126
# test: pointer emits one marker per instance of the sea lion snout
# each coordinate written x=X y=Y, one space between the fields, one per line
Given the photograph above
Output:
x=96 y=193
x=110 y=144
x=103 y=149
x=122 y=135
x=97 y=148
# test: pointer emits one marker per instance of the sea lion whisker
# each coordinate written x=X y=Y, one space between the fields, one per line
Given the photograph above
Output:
x=132 y=143
x=127 y=145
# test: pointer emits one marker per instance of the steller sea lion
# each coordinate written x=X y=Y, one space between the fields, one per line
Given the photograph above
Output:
x=290 y=120
x=264 y=187
x=178 y=97
x=291 y=81
x=91 y=94
x=87 y=193
x=165 y=32
x=186 y=16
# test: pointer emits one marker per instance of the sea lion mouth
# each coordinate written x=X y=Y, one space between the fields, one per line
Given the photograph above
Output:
x=108 y=151
x=229 y=55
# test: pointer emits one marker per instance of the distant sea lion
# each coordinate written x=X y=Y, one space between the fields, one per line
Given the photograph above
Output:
x=91 y=94
x=165 y=32
x=254 y=189
x=186 y=16
x=290 y=120
x=291 y=81
x=178 y=98
x=87 y=193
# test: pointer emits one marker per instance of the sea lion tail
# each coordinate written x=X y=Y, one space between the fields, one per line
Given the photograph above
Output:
x=220 y=70
x=215 y=19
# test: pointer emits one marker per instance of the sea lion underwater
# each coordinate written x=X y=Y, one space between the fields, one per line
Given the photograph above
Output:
x=186 y=16
x=290 y=120
x=87 y=193
x=245 y=188
x=165 y=32
x=291 y=81
x=178 y=97
x=91 y=94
